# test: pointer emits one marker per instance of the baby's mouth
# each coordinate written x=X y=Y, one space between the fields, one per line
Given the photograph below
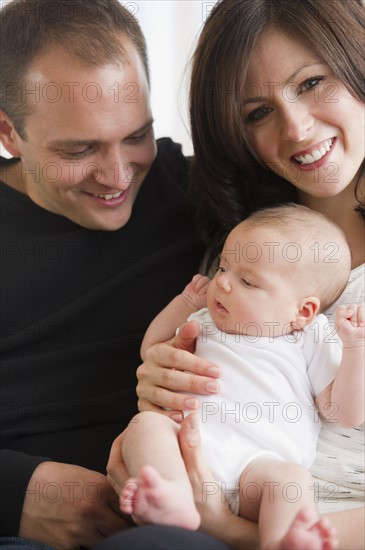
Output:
x=220 y=306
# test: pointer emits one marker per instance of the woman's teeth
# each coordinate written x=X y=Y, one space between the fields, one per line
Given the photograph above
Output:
x=109 y=197
x=317 y=154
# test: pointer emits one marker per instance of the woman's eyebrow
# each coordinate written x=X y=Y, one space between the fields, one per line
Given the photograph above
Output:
x=309 y=64
x=289 y=80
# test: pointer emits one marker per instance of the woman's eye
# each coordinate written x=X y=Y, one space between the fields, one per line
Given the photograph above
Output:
x=310 y=83
x=258 y=114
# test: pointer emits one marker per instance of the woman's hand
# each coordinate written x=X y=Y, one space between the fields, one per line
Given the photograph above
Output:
x=217 y=519
x=171 y=367
x=207 y=493
x=117 y=474
x=208 y=496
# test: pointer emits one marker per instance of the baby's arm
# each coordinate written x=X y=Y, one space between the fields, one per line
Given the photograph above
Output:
x=347 y=391
x=163 y=327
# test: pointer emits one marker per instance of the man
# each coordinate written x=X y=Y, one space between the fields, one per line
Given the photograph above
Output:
x=95 y=230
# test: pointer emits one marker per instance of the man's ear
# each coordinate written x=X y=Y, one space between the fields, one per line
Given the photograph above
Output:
x=8 y=135
x=308 y=309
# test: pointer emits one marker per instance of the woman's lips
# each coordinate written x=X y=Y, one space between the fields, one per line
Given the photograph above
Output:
x=314 y=157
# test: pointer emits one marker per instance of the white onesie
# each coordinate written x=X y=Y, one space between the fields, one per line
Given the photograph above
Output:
x=266 y=403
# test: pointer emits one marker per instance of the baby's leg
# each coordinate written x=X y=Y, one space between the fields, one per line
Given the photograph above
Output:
x=279 y=496
x=159 y=490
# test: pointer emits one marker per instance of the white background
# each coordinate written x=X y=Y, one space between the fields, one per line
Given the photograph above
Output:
x=171 y=28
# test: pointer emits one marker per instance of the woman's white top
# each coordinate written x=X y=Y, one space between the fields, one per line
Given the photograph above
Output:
x=338 y=471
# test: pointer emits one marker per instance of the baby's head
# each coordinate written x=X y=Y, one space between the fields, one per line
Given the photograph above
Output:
x=280 y=266
x=314 y=250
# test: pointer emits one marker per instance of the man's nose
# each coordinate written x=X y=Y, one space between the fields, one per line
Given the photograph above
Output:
x=116 y=171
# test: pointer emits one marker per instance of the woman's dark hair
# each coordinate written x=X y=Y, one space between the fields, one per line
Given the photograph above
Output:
x=91 y=30
x=228 y=182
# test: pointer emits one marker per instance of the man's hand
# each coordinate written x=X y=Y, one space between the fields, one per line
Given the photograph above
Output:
x=171 y=367
x=68 y=506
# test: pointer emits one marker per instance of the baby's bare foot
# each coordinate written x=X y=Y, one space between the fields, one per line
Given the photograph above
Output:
x=152 y=499
x=309 y=533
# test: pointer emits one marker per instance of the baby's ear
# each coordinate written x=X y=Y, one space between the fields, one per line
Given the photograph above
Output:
x=307 y=310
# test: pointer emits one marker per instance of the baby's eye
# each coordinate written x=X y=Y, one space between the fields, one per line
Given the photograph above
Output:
x=221 y=269
x=247 y=283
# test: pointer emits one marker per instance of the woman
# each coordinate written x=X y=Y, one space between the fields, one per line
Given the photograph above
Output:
x=277 y=115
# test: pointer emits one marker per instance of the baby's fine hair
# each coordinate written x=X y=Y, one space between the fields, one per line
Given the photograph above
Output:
x=323 y=247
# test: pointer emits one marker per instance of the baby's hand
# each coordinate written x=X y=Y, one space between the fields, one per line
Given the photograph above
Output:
x=351 y=325
x=196 y=291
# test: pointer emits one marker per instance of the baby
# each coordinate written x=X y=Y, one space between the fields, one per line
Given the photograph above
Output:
x=281 y=362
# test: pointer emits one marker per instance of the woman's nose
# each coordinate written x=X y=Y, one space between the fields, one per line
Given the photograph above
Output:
x=296 y=122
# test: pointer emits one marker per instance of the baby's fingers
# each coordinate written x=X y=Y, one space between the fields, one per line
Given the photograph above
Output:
x=354 y=313
x=360 y=315
x=344 y=313
x=350 y=321
x=201 y=283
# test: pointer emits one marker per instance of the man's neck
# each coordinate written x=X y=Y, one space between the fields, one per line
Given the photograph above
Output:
x=12 y=174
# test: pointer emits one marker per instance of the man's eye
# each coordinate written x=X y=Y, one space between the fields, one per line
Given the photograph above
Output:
x=136 y=139
x=76 y=154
